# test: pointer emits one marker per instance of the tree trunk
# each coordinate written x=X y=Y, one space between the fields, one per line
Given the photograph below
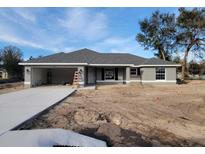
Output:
x=162 y=54
x=184 y=64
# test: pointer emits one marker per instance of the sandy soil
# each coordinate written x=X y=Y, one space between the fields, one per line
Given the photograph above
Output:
x=134 y=115
x=11 y=87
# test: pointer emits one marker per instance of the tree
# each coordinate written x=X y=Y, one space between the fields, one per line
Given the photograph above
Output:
x=31 y=58
x=11 y=56
x=194 y=68
x=176 y=59
x=191 y=34
x=158 y=34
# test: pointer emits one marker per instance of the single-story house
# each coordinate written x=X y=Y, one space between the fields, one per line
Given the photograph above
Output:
x=3 y=73
x=97 y=68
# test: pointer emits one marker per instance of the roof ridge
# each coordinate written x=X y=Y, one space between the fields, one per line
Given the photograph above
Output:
x=125 y=54
x=58 y=53
x=83 y=50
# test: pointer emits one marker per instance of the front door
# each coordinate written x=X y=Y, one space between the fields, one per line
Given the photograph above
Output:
x=109 y=74
x=49 y=77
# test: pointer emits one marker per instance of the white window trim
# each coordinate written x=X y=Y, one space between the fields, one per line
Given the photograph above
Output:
x=57 y=64
x=158 y=81
x=165 y=78
x=104 y=81
x=158 y=65
x=131 y=65
x=135 y=80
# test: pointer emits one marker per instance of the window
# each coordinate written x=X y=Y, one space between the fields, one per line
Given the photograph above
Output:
x=135 y=71
x=109 y=74
x=160 y=73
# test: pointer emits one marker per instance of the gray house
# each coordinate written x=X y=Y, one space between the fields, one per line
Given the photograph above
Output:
x=97 y=68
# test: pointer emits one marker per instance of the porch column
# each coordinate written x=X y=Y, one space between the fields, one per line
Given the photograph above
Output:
x=27 y=76
x=127 y=75
x=81 y=69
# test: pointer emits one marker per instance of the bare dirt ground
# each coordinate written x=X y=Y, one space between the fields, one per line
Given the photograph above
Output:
x=11 y=87
x=134 y=115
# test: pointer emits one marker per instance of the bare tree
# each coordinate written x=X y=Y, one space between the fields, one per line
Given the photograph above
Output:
x=11 y=56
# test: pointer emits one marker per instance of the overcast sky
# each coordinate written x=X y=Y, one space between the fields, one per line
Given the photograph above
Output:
x=43 y=31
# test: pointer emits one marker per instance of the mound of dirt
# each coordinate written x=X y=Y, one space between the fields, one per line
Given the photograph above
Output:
x=105 y=126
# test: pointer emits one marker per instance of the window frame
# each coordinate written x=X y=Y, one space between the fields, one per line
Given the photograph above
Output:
x=131 y=70
x=160 y=73
x=137 y=71
x=109 y=69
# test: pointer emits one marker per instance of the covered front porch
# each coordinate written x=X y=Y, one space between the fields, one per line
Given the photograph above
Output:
x=110 y=75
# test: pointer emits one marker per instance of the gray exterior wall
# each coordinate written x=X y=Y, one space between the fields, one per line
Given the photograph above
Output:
x=127 y=74
x=120 y=73
x=27 y=76
x=82 y=76
x=149 y=74
x=134 y=77
x=171 y=73
x=99 y=73
x=91 y=75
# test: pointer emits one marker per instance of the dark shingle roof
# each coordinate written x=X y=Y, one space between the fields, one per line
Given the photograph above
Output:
x=156 y=61
x=93 y=57
x=79 y=56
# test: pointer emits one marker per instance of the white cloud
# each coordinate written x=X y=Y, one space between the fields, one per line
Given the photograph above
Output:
x=66 y=31
x=34 y=29
x=68 y=49
x=26 y=32
x=84 y=24
x=121 y=45
x=25 y=14
x=23 y=42
x=117 y=40
x=14 y=39
x=117 y=44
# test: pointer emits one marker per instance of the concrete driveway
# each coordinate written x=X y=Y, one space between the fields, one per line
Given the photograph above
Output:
x=18 y=107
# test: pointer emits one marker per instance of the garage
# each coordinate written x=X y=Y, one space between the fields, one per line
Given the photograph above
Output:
x=51 y=76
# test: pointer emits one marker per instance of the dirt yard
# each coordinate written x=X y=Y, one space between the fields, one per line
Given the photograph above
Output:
x=11 y=87
x=134 y=115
